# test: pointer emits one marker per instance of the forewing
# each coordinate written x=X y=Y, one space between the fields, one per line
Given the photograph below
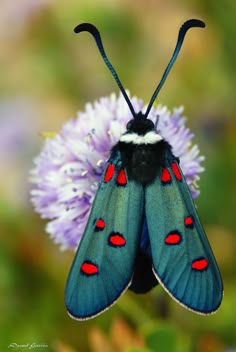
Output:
x=104 y=262
x=183 y=261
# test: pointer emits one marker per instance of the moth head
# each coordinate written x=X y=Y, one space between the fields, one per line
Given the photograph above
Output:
x=140 y=125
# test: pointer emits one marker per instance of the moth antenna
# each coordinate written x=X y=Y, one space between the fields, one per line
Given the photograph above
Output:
x=88 y=27
x=183 y=30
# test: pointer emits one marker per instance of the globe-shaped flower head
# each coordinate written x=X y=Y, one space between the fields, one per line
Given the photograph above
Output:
x=67 y=171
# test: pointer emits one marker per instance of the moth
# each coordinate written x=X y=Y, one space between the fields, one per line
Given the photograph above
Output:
x=143 y=228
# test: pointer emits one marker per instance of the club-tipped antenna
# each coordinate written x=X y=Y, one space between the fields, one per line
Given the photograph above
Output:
x=88 y=27
x=183 y=30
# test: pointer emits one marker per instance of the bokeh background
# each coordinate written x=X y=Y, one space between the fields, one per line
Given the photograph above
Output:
x=47 y=74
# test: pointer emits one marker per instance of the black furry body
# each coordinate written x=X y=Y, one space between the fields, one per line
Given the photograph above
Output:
x=142 y=161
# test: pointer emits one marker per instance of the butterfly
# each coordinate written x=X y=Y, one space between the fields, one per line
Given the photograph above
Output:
x=143 y=227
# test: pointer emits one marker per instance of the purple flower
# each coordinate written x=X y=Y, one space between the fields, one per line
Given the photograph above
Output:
x=68 y=169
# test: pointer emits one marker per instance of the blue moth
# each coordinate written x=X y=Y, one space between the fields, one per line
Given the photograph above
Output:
x=143 y=228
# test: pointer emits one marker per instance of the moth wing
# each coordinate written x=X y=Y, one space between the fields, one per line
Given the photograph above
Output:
x=183 y=261
x=104 y=263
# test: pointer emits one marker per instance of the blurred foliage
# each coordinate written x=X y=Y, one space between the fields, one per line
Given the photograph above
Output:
x=52 y=73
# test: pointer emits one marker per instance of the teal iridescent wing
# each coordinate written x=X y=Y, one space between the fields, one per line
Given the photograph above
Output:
x=182 y=258
x=104 y=263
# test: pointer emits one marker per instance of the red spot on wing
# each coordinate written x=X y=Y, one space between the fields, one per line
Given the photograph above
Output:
x=189 y=221
x=165 y=176
x=173 y=237
x=117 y=240
x=200 y=264
x=100 y=224
x=109 y=172
x=176 y=171
x=89 y=268
x=121 y=178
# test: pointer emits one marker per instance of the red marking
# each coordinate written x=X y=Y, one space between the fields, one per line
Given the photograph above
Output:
x=173 y=238
x=121 y=178
x=165 y=176
x=200 y=264
x=109 y=172
x=188 y=221
x=117 y=240
x=100 y=224
x=89 y=268
x=176 y=171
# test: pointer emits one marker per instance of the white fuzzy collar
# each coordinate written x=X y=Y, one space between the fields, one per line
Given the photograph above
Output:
x=149 y=138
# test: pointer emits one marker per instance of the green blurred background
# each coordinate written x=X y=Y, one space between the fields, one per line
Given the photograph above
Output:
x=47 y=75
